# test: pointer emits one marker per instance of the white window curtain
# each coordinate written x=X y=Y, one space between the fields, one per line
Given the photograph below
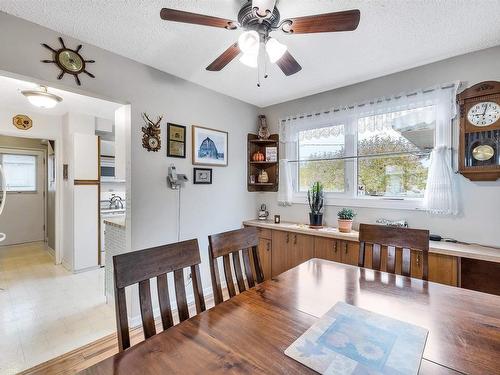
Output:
x=434 y=105
x=440 y=193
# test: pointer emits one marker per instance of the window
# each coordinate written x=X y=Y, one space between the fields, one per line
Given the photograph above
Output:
x=386 y=155
x=20 y=172
x=393 y=155
x=315 y=145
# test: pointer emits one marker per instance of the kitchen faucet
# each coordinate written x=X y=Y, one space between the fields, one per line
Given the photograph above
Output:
x=115 y=202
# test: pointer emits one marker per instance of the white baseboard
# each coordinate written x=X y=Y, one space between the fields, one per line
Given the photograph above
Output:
x=51 y=252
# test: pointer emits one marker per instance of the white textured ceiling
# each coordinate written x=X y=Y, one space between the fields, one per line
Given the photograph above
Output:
x=11 y=97
x=393 y=35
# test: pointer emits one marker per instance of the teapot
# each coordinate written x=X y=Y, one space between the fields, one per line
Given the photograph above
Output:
x=263 y=213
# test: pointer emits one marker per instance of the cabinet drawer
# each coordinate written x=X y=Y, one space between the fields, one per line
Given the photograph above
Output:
x=264 y=233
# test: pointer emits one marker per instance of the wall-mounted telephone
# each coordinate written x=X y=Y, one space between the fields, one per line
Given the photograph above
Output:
x=174 y=180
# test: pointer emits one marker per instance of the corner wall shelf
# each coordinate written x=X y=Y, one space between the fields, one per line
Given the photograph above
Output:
x=254 y=144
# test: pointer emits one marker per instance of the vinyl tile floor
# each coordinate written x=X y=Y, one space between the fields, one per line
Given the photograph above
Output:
x=45 y=310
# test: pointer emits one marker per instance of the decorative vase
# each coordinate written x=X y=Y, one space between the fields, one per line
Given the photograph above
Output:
x=263 y=177
x=345 y=226
x=315 y=220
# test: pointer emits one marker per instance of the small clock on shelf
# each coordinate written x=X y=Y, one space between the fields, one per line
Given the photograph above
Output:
x=479 y=155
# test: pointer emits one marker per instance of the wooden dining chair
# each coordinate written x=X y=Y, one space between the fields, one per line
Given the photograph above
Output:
x=392 y=237
x=229 y=244
x=139 y=267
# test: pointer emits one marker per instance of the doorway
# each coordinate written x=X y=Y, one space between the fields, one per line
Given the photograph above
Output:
x=24 y=217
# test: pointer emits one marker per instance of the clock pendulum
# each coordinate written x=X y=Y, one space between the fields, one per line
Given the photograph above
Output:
x=69 y=61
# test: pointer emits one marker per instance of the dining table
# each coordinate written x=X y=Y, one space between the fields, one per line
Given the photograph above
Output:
x=249 y=333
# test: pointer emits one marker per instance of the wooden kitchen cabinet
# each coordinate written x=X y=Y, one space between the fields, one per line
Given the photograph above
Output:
x=280 y=242
x=265 y=255
x=280 y=250
x=350 y=252
x=327 y=248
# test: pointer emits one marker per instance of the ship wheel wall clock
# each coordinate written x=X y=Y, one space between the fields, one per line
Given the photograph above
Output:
x=480 y=131
x=69 y=61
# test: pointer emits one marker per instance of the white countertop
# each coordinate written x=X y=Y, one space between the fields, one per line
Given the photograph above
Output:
x=471 y=251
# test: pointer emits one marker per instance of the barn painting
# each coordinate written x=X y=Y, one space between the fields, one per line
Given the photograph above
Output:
x=209 y=146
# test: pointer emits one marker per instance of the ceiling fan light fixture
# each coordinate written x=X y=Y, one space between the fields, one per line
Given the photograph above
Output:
x=263 y=7
x=41 y=98
x=275 y=50
x=249 y=41
x=250 y=59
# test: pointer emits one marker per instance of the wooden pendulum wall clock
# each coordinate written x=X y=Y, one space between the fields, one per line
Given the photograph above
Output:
x=479 y=153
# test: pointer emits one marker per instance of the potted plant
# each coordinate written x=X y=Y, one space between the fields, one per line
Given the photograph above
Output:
x=345 y=216
x=315 y=199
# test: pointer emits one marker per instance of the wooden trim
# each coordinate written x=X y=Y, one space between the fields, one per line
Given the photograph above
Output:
x=87 y=182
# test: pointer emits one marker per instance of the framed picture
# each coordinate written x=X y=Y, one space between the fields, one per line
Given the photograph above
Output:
x=176 y=142
x=202 y=176
x=272 y=154
x=209 y=146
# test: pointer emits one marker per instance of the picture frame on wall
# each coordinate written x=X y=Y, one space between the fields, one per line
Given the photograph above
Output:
x=210 y=146
x=176 y=141
x=202 y=176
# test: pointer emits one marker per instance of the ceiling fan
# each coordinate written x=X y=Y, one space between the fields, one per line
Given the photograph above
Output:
x=258 y=18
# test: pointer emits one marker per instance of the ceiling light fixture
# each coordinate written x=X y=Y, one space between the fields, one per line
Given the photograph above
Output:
x=41 y=98
x=263 y=8
x=249 y=41
x=250 y=59
x=275 y=50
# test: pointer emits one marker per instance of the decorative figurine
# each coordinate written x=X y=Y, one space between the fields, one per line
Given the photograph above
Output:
x=263 y=129
x=263 y=213
x=263 y=177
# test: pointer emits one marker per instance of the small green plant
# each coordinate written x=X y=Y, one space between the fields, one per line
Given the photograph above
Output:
x=315 y=197
x=346 y=214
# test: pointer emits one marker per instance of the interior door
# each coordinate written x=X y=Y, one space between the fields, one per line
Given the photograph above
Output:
x=23 y=218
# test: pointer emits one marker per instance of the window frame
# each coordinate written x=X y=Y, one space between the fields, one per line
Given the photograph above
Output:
x=350 y=196
x=23 y=153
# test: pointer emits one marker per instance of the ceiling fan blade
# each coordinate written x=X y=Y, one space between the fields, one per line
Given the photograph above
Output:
x=225 y=58
x=323 y=23
x=288 y=64
x=197 y=19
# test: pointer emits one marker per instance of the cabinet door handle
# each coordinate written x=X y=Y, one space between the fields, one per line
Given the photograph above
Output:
x=345 y=247
x=268 y=246
x=287 y=237
x=418 y=259
x=335 y=246
x=295 y=239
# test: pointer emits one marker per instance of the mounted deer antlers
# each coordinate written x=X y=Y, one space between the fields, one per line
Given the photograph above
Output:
x=151 y=137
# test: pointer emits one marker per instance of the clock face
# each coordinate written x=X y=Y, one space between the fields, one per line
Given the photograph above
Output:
x=71 y=61
x=484 y=114
x=153 y=143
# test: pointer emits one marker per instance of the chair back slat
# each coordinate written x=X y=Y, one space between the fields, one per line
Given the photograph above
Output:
x=238 y=272
x=215 y=276
x=148 y=320
x=122 y=319
x=391 y=259
x=259 y=273
x=164 y=301
x=406 y=239
x=376 y=257
x=180 y=295
x=248 y=268
x=228 y=246
x=229 y=275
x=406 y=262
x=140 y=267
x=199 y=300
